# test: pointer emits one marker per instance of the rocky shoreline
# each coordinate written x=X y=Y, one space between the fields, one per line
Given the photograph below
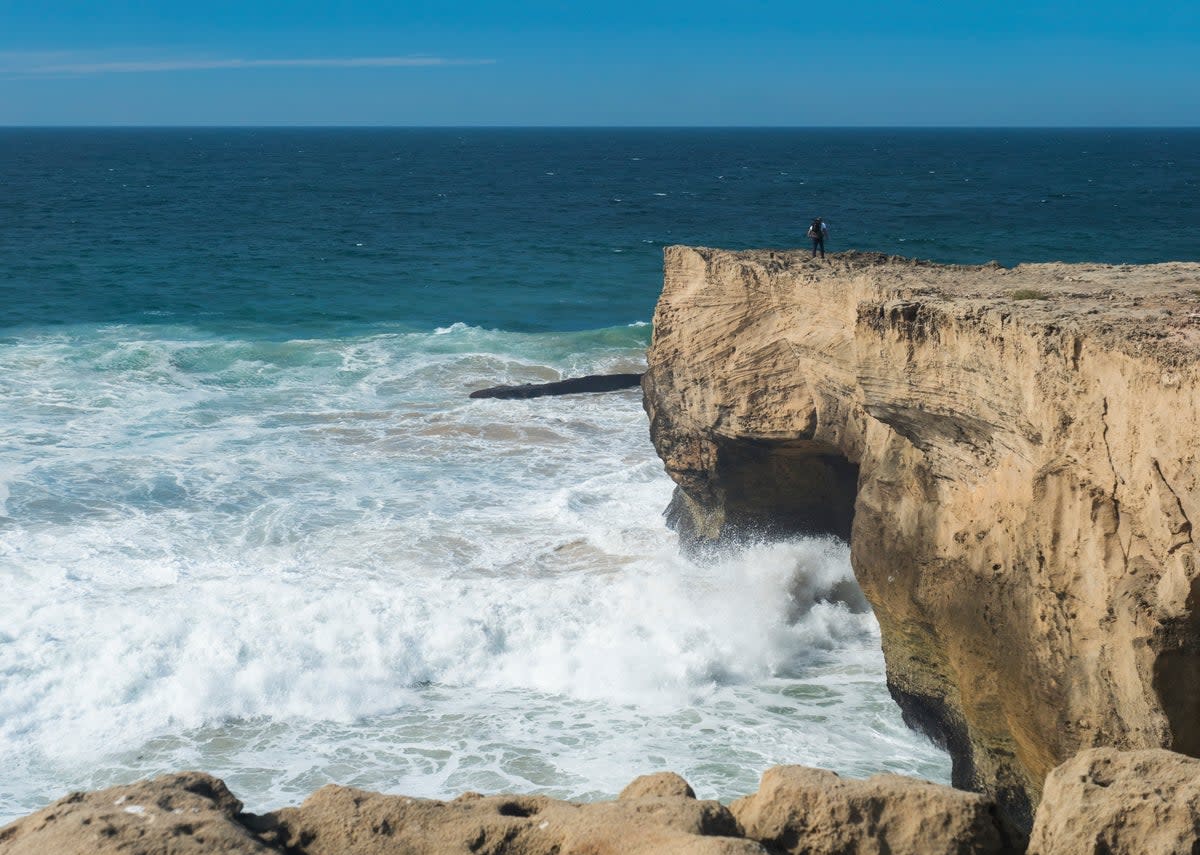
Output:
x=1012 y=456
x=1103 y=801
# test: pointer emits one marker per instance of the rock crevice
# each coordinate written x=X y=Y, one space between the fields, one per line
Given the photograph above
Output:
x=1016 y=477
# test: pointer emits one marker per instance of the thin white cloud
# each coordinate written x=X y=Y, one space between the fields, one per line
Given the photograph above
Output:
x=38 y=65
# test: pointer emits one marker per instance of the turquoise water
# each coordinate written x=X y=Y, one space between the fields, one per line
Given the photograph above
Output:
x=251 y=523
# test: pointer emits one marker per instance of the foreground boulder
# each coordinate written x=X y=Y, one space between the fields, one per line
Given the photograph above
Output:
x=1011 y=453
x=193 y=813
x=1107 y=802
x=797 y=810
x=345 y=821
x=805 y=811
x=185 y=814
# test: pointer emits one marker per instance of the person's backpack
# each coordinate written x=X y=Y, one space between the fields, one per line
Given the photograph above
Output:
x=814 y=231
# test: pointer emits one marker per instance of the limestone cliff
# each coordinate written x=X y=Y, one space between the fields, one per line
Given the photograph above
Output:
x=1011 y=453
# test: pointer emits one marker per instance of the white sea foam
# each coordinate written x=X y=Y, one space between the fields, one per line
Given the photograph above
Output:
x=296 y=562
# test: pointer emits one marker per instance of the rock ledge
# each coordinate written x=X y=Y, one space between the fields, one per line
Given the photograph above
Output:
x=1011 y=453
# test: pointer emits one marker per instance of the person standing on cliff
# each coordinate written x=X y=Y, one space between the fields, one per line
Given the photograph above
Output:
x=818 y=231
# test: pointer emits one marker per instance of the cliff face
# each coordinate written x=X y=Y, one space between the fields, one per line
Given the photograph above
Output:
x=1011 y=453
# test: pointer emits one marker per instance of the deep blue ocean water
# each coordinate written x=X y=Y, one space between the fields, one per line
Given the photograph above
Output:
x=537 y=230
x=250 y=522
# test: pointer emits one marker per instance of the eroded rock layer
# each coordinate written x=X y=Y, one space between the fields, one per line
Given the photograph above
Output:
x=657 y=814
x=1012 y=453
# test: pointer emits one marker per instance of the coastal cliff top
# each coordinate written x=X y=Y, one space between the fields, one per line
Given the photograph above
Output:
x=1146 y=310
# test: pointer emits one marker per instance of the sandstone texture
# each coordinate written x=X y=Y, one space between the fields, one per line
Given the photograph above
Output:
x=1012 y=454
x=796 y=811
x=805 y=811
x=185 y=814
x=345 y=821
x=1106 y=802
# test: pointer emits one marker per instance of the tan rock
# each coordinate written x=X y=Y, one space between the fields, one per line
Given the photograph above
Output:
x=195 y=813
x=796 y=810
x=1108 y=802
x=1012 y=454
x=344 y=821
x=806 y=811
x=660 y=784
x=178 y=814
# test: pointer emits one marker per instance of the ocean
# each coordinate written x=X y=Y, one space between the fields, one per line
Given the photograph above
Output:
x=250 y=522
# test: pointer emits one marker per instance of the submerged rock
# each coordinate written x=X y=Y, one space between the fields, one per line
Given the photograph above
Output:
x=570 y=386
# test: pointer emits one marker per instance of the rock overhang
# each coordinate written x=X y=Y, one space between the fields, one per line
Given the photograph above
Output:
x=1021 y=443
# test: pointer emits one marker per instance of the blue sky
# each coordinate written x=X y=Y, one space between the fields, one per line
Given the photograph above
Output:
x=656 y=62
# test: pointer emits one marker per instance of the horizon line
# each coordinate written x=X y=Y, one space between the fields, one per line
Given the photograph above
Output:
x=505 y=126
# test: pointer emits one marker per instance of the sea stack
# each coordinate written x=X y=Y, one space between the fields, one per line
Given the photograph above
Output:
x=1012 y=454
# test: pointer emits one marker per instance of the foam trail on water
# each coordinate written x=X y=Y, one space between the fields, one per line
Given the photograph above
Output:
x=303 y=561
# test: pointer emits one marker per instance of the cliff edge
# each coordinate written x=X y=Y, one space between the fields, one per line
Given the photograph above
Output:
x=1011 y=453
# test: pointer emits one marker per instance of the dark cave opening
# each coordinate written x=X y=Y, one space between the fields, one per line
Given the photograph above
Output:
x=782 y=488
